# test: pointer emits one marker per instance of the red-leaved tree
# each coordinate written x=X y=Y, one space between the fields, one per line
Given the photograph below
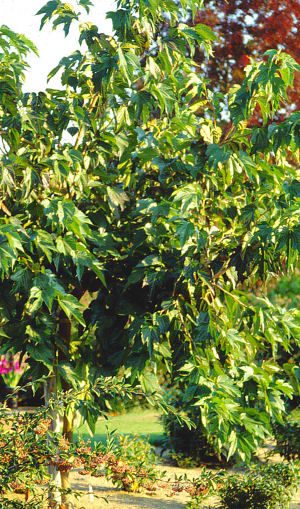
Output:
x=247 y=28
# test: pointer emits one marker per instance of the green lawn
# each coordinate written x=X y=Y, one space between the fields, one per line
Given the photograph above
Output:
x=145 y=423
x=295 y=415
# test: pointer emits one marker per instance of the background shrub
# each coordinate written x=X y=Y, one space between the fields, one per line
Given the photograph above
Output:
x=188 y=447
x=287 y=439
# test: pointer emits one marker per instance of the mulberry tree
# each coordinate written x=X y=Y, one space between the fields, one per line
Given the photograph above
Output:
x=123 y=187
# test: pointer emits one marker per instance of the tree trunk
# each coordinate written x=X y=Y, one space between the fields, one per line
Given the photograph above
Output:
x=50 y=389
x=65 y=335
x=64 y=332
x=65 y=476
x=12 y=401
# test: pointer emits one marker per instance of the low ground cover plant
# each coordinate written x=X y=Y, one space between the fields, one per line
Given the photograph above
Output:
x=252 y=492
x=264 y=487
x=136 y=464
x=129 y=462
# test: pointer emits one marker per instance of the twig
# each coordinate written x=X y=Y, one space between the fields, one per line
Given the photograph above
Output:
x=230 y=294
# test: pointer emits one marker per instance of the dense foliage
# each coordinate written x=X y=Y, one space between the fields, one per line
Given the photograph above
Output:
x=122 y=189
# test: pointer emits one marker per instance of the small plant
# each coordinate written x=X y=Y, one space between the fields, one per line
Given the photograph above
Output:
x=25 y=454
x=131 y=464
x=135 y=449
x=254 y=490
x=126 y=461
x=206 y=484
x=183 y=461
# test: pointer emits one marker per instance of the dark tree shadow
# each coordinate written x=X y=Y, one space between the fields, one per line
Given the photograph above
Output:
x=115 y=496
x=146 y=503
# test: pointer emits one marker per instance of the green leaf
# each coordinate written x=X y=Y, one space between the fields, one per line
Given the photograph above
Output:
x=71 y=307
x=153 y=68
x=41 y=352
x=86 y=4
x=189 y=196
x=48 y=10
x=45 y=242
x=205 y=32
x=185 y=230
x=259 y=140
x=116 y=198
x=149 y=383
x=217 y=154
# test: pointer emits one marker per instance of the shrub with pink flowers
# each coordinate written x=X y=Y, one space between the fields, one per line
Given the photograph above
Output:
x=12 y=368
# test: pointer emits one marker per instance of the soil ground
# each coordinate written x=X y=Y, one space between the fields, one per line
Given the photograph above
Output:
x=121 y=500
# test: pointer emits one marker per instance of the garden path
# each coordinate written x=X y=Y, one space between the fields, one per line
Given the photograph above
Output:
x=159 y=500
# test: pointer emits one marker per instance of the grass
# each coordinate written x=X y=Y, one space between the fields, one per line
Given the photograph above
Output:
x=295 y=415
x=145 y=423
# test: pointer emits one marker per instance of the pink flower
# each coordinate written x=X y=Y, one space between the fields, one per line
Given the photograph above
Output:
x=10 y=368
x=5 y=365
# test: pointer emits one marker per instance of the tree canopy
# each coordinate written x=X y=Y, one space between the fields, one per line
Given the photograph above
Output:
x=123 y=187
